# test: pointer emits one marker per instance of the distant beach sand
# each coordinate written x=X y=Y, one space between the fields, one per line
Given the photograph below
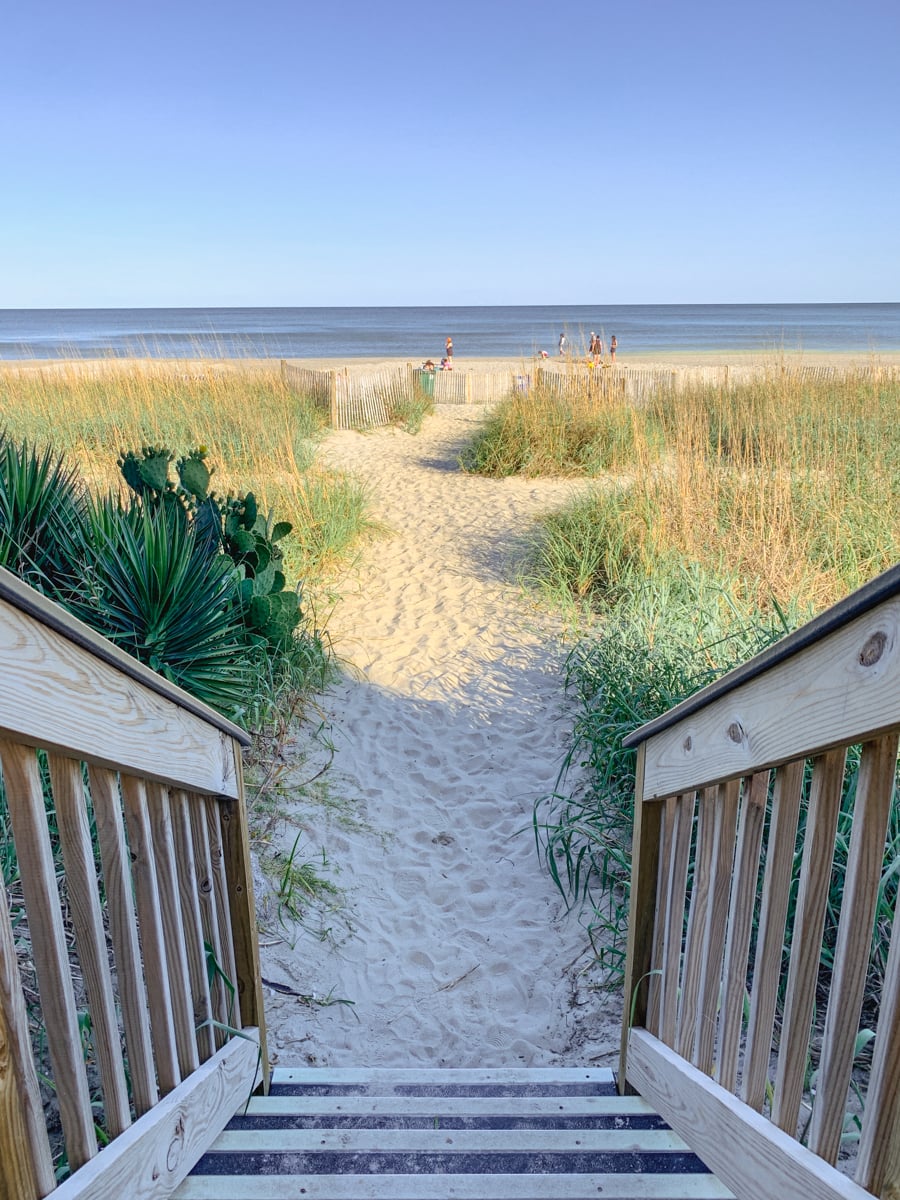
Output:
x=675 y=359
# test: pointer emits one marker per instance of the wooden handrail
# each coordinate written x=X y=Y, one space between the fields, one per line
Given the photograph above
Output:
x=105 y=762
x=883 y=587
x=710 y=1006
x=35 y=605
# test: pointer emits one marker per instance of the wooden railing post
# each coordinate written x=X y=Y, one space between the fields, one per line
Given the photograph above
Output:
x=644 y=872
x=25 y=1162
x=238 y=869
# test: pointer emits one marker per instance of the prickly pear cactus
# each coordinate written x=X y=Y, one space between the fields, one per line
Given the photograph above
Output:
x=154 y=469
x=195 y=474
x=148 y=472
x=235 y=527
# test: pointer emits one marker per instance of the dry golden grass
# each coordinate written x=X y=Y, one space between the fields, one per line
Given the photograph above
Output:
x=260 y=436
x=786 y=487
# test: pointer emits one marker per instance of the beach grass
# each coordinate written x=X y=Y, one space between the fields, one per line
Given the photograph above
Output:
x=788 y=487
x=714 y=522
x=258 y=434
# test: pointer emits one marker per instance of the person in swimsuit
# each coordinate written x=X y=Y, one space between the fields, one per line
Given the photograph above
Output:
x=448 y=348
x=612 y=348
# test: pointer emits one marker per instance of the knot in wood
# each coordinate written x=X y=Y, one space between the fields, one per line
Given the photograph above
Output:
x=205 y=886
x=873 y=649
x=176 y=1147
x=688 y=744
x=736 y=732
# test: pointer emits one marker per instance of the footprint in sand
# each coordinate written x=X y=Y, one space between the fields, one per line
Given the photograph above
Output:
x=456 y=729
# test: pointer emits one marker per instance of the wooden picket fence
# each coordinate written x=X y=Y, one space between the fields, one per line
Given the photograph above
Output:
x=365 y=400
x=131 y=791
x=733 y=786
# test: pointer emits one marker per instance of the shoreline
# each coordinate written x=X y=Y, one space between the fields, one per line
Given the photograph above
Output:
x=848 y=359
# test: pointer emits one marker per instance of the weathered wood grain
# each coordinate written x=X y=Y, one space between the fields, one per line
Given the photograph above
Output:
x=717 y=917
x=242 y=903
x=806 y=943
x=225 y=937
x=835 y=692
x=878 y=1163
x=168 y=891
x=199 y=817
x=746 y=1151
x=698 y=917
x=668 y=821
x=674 y=934
x=58 y=695
x=26 y=1168
x=152 y=1157
x=644 y=872
x=25 y=800
x=153 y=941
x=90 y=937
x=192 y=922
x=770 y=938
x=740 y=925
x=123 y=934
x=874 y=788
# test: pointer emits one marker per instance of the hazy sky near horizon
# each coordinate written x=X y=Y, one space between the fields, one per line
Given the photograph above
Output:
x=211 y=152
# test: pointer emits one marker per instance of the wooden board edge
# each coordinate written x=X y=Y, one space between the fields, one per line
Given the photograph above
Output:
x=749 y=1154
x=42 y=609
x=158 y=1151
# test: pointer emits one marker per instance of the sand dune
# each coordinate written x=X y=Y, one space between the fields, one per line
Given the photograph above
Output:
x=448 y=722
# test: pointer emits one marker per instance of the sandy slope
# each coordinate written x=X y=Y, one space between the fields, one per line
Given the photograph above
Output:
x=448 y=722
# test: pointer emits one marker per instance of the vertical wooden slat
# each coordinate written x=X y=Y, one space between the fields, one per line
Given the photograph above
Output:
x=674 y=935
x=875 y=782
x=878 y=1163
x=698 y=915
x=644 y=871
x=123 y=934
x=173 y=930
x=153 y=942
x=25 y=1160
x=770 y=938
x=668 y=819
x=806 y=943
x=239 y=870
x=714 y=937
x=740 y=924
x=90 y=936
x=192 y=922
x=223 y=906
x=208 y=915
x=25 y=800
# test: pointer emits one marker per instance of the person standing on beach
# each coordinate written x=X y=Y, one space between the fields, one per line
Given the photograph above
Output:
x=563 y=343
x=612 y=348
x=448 y=350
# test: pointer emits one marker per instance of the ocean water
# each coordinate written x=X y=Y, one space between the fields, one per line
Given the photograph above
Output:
x=415 y=333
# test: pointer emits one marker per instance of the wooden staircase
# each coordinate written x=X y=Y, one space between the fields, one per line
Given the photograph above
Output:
x=419 y=1134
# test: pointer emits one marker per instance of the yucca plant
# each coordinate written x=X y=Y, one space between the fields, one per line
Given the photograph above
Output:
x=150 y=587
x=41 y=506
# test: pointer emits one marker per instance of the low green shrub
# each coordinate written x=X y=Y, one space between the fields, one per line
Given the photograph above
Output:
x=152 y=588
x=41 y=505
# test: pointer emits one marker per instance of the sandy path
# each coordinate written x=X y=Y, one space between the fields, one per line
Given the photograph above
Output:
x=448 y=722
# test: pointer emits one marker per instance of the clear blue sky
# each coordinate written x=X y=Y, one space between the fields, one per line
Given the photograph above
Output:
x=222 y=152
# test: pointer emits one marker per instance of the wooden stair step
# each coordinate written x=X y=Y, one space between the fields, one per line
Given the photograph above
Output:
x=431 y=1134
